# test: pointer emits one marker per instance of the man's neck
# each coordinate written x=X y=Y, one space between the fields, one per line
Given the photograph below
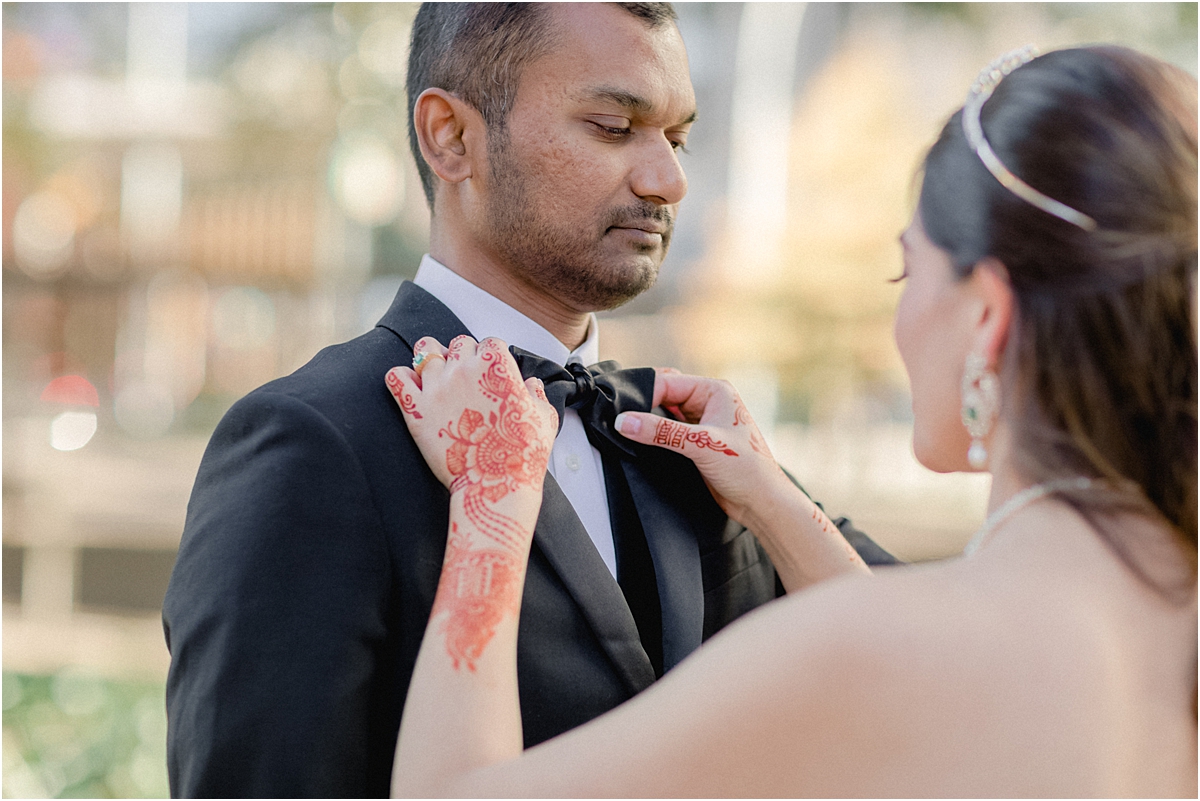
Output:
x=569 y=326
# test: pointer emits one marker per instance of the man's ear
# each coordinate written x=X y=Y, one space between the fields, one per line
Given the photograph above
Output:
x=997 y=304
x=448 y=130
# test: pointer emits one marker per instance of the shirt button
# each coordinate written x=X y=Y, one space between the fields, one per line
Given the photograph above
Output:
x=573 y=462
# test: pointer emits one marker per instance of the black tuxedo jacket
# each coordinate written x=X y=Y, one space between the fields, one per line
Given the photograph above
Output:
x=311 y=555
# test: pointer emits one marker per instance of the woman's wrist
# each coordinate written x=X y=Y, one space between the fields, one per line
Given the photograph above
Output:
x=513 y=509
x=773 y=505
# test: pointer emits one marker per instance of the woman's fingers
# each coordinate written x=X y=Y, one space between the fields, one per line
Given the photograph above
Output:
x=428 y=354
x=404 y=384
x=663 y=432
x=536 y=388
x=696 y=399
x=461 y=346
x=672 y=388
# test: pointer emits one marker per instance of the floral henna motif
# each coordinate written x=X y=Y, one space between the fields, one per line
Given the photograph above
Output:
x=742 y=417
x=502 y=453
x=493 y=456
x=479 y=587
x=405 y=399
x=674 y=435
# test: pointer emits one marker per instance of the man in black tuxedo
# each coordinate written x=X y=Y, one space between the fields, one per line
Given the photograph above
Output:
x=546 y=140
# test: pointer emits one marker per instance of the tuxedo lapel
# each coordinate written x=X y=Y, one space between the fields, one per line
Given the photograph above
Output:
x=568 y=548
x=671 y=538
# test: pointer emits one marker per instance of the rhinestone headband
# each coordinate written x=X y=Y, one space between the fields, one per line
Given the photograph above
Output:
x=981 y=90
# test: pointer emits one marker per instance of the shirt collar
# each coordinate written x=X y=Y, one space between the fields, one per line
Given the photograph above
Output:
x=486 y=316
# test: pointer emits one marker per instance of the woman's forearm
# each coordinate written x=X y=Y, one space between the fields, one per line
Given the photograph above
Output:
x=803 y=543
x=462 y=710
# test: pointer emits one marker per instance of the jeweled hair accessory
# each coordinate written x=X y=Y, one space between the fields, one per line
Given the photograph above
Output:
x=981 y=90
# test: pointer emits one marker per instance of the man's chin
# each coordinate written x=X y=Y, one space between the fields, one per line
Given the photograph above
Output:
x=624 y=284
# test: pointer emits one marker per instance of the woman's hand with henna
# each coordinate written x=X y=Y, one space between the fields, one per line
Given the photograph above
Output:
x=716 y=432
x=487 y=435
x=477 y=423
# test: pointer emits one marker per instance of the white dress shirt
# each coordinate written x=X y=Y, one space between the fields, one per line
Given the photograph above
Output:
x=574 y=463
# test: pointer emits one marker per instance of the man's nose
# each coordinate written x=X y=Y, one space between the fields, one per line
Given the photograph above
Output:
x=658 y=176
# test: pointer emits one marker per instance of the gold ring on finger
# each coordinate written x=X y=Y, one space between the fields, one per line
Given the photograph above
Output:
x=421 y=359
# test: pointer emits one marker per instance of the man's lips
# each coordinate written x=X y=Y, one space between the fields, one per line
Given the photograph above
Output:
x=639 y=237
x=648 y=228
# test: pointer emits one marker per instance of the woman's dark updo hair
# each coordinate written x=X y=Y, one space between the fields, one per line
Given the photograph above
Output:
x=1101 y=359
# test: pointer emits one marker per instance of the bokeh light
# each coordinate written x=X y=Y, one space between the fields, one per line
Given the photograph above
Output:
x=72 y=390
x=70 y=431
x=383 y=48
x=366 y=178
x=43 y=234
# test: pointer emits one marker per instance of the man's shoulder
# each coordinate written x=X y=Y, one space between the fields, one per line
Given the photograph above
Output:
x=338 y=398
x=347 y=368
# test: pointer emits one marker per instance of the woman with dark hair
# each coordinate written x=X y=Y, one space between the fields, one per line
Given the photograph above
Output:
x=1048 y=326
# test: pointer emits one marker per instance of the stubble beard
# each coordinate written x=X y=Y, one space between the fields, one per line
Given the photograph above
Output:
x=567 y=262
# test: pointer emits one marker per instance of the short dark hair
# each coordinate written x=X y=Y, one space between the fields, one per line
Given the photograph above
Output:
x=477 y=51
x=1103 y=351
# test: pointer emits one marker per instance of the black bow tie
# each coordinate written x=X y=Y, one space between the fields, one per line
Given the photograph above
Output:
x=599 y=393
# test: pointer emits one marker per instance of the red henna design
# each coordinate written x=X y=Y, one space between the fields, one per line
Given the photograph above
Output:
x=479 y=587
x=493 y=452
x=827 y=525
x=702 y=440
x=742 y=417
x=669 y=433
x=454 y=349
x=490 y=458
x=405 y=399
x=674 y=435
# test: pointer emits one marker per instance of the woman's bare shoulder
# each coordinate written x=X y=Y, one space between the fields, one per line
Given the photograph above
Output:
x=943 y=622
x=918 y=672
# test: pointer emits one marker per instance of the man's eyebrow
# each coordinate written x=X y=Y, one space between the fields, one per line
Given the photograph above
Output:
x=629 y=101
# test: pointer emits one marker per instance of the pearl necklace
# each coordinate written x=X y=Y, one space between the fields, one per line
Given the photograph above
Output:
x=1018 y=502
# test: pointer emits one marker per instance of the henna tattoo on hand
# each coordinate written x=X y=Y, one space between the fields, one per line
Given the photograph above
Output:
x=674 y=435
x=742 y=417
x=487 y=460
x=405 y=399
x=669 y=433
x=454 y=349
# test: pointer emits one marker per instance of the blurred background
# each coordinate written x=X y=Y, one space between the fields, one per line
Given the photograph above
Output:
x=198 y=197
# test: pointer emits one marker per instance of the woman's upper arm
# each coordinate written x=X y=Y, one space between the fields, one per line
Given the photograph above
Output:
x=771 y=706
